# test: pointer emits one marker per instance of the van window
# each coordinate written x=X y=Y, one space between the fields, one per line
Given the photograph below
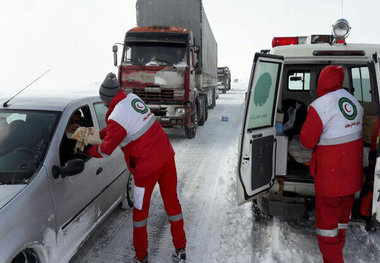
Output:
x=299 y=80
x=263 y=95
x=361 y=84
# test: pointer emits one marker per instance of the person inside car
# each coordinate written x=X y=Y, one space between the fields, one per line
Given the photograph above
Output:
x=68 y=145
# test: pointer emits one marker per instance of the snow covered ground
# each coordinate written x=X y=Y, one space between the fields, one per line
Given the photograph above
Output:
x=217 y=229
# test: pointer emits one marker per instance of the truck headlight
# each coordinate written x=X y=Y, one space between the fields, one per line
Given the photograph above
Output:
x=180 y=111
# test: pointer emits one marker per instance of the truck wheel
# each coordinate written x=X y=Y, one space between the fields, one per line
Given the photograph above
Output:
x=224 y=90
x=190 y=132
x=201 y=112
x=213 y=99
x=128 y=201
x=206 y=109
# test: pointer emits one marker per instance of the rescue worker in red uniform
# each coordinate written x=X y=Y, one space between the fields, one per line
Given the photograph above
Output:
x=150 y=158
x=333 y=129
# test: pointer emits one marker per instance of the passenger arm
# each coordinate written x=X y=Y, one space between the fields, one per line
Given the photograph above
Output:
x=311 y=130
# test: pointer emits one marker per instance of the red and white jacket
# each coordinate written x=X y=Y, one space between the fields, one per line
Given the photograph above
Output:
x=333 y=128
x=132 y=126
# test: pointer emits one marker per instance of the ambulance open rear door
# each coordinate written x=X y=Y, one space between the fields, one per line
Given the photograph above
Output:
x=257 y=146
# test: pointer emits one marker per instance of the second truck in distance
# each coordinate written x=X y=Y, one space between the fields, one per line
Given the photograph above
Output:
x=224 y=79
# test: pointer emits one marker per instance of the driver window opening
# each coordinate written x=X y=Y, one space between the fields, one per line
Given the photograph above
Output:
x=80 y=118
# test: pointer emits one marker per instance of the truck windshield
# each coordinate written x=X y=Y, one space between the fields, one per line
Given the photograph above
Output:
x=155 y=55
x=24 y=138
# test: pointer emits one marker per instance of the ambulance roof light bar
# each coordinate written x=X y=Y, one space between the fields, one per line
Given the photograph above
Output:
x=341 y=30
x=284 y=41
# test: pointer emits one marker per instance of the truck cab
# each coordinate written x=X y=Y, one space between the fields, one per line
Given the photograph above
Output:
x=273 y=166
x=158 y=64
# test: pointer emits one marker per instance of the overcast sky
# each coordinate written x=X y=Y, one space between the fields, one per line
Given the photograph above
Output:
x=74 y=38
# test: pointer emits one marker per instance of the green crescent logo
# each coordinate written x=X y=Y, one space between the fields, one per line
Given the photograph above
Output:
x=348 y=108
x=139 y=106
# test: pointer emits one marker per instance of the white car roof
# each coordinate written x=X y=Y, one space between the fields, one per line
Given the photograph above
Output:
x=53 y=103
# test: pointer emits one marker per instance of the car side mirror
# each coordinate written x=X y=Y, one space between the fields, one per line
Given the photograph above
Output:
x=72 y=167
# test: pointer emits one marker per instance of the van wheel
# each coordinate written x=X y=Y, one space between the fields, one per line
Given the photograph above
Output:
x=26 y=256
x=128 y=201
x=258 y=215
x=191 y=131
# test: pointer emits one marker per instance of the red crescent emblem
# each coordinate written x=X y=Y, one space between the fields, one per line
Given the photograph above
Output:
x=345 y=107
x=138 y=106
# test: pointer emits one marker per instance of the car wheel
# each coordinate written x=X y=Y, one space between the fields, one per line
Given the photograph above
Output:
x=128 y=201
x=26 y=256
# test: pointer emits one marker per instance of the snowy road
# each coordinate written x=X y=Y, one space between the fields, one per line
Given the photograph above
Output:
x=217 y=229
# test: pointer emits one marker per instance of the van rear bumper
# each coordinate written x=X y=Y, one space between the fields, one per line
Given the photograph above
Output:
x=283 y=206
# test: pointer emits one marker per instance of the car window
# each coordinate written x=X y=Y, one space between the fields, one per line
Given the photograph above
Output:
x=361 y=83
x=81 y=117
x=298 y=80
x=24 y=136
x=101 y=111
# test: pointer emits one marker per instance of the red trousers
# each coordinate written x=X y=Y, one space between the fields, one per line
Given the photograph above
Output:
x=332 y=216
x=166 y=176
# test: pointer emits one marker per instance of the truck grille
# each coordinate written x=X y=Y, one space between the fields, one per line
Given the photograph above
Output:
x=164 y=94
x=159 y=113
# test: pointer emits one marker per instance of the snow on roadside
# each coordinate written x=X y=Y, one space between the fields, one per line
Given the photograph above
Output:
x=233 y=239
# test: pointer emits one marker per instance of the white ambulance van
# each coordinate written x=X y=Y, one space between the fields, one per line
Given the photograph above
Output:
x=273 y=166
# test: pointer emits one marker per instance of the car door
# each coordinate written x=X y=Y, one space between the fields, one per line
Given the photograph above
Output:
x=374 y=67
x=75 y=197
x=114 y=173
x=257 y=140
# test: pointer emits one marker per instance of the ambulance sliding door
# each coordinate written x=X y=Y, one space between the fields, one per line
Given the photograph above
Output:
x=257 y=140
